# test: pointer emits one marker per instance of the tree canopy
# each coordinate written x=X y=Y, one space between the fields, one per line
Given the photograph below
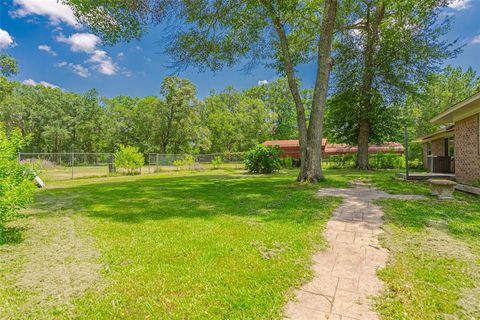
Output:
x=175 y=121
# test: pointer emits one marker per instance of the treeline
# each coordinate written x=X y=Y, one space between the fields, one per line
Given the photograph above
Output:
x=176 y=121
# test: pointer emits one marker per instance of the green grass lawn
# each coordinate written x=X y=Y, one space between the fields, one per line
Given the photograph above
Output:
x=434 y=268
x=182 y=245
x=218 y=244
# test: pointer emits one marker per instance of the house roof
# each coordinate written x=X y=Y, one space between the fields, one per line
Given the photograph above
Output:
x=459 y=111
x=339 y=148
x=288 y=143
x=443 y=133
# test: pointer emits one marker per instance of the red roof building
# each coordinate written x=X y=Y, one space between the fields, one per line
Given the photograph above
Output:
x=291 y=148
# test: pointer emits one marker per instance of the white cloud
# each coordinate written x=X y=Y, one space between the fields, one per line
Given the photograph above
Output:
x=80 y=42
x=460 y=4
x=87 y=43
x=138 y=48
x=475 y=40
x=103 y=63
x=262 y=82
x=29 y=82
x=48 y=49
x=120 y=55
x=79 y=69
x=32 y=82
x=127 y=73
x=53 y=9
x=76 y=68
x=6 y=40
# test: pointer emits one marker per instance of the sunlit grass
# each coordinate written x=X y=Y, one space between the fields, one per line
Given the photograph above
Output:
x=228 y=245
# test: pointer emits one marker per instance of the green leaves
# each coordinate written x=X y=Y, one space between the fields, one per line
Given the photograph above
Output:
x=263 y=159
x=129 y=159
x=8 y=65
x=16 y=185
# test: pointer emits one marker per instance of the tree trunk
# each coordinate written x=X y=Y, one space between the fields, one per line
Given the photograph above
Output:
x=312 y=170
x=372 y=24
x=363 y=139
x=309 y=140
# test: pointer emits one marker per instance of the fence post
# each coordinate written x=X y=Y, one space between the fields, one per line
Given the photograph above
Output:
x=149 y=163
x=156 y=155
x=73 y=162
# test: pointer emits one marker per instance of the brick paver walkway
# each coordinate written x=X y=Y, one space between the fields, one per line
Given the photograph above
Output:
x=345 y=274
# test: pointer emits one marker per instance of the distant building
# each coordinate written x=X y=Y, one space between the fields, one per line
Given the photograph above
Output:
x=456 y=148
x=291 y=148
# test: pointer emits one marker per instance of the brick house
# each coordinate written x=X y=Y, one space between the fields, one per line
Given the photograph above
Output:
x=456 y=147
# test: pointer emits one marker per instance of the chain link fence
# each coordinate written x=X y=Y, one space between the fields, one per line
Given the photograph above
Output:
x=166 y=162
x=62 y=166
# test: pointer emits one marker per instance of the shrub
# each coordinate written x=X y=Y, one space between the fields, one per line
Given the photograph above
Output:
x=341 y=161
x=217 y=162
x=387 y=161
x=287 y=163
x=129 y=159
x=189 y=162
x=263 y=159
x=16 y=180
x=178 y=163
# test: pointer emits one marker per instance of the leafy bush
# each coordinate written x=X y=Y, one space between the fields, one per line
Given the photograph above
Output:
x=263 y=159
x=340 y=161
x=187 y=163
x=178 y=163
x=217 y=162
x=287 y=163
x=379 y=160
x=387 y=161
x=16 y=180
x=129 y=159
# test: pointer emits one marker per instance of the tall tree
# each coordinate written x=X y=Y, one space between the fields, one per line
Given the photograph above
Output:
x=438 y=92
x=277 y=99
x=387 y=48
x=236 y=120
x=218 y=33
x=177 y=116
x=8 y=67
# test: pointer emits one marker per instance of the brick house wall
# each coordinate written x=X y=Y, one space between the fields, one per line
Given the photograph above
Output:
x=467 y=156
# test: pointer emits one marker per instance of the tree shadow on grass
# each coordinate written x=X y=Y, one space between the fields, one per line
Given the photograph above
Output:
x=275 y=198
x=11 y=235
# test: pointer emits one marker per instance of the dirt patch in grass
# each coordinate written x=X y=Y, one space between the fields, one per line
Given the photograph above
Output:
x=269 y=251
x=440 y=243
x=431 y=270
x=54 y=264
x=432 y=241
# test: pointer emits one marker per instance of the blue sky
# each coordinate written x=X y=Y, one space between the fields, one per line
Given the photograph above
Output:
x=52 y=48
